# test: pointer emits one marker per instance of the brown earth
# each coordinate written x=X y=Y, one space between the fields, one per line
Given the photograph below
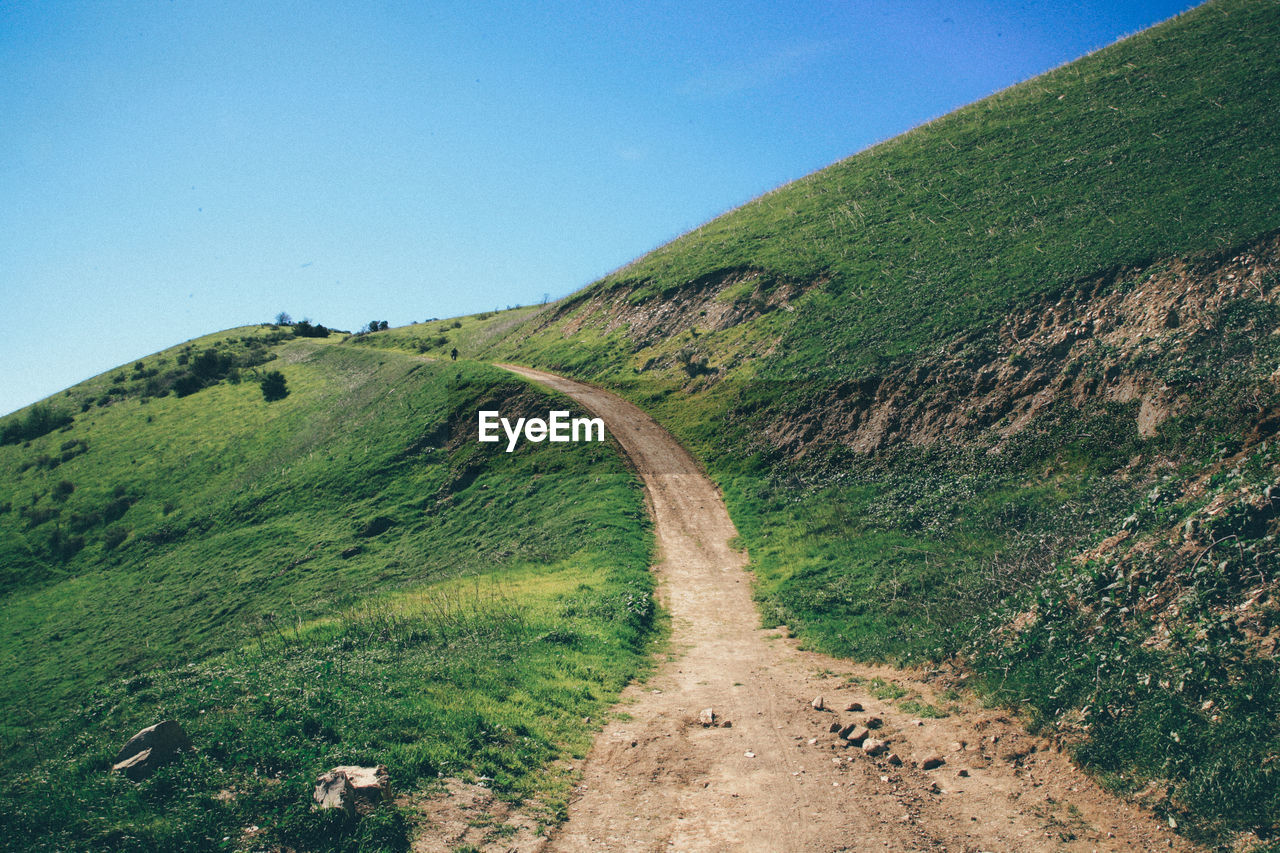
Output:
x=1096 y=343
x=769 y=774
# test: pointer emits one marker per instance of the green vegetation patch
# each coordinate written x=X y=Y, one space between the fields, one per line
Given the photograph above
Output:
x=485 y=679
x=343 y=575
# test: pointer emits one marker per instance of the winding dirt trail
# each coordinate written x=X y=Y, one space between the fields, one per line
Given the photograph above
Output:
x=774 y=777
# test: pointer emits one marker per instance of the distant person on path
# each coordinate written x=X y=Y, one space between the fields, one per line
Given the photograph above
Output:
x=454 y=354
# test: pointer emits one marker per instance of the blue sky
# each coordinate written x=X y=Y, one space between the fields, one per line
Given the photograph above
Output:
x=169 y=169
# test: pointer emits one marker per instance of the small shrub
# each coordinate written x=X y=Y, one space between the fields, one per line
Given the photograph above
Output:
x=376 y=525
x=186 y=384
x=39 y=420
x=79 y=522
x=274 y=386
x=113 y=537
x=305 y=329
x=36 y=516
x=212 y=364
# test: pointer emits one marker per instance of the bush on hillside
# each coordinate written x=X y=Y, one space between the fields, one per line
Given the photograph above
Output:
x=304 y=329
x=39 y=420
x=185 y=383
x=273 y=386
x=113 y=537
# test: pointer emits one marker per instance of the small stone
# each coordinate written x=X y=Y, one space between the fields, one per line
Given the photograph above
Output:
x=894 y=759
x=873 y=722
x=707 y=717
x=749 y=754
x=962 y=773
x=874 y=746
x=818 y=704
x=929 y=762
x=854 y=733
x=726 y=724
x=854 y=706
x=957 y=746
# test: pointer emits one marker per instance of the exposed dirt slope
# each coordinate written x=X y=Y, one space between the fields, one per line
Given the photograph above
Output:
x=1131 y=335
x=770 y=774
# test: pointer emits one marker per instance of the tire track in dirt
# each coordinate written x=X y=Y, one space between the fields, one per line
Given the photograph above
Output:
x=775 y=777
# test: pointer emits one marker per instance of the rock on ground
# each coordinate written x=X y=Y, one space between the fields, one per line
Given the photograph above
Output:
x=150 y=748
x=353 y=789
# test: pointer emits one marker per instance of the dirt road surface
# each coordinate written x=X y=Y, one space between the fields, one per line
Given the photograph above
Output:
x=769 y=773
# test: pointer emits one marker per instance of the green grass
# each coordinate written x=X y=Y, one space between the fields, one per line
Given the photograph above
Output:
x=882 y=689
x=921 y=709
x=482 y=680
x=438 y=338
x=340 y=576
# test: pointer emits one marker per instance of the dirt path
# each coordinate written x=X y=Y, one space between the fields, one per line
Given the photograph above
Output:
x=774 y=777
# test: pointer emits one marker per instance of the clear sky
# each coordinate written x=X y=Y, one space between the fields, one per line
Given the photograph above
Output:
x=169 y=169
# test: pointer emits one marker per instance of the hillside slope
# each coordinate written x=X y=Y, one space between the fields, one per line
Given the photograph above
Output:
x=1003 y=392
x=339 y=576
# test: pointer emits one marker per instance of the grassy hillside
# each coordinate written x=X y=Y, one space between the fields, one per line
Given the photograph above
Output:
x=339 y=576
x=1002 y=392
x=1162 y=144
x=438 y=338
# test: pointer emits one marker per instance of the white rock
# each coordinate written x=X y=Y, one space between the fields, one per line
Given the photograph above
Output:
x=353 y=788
